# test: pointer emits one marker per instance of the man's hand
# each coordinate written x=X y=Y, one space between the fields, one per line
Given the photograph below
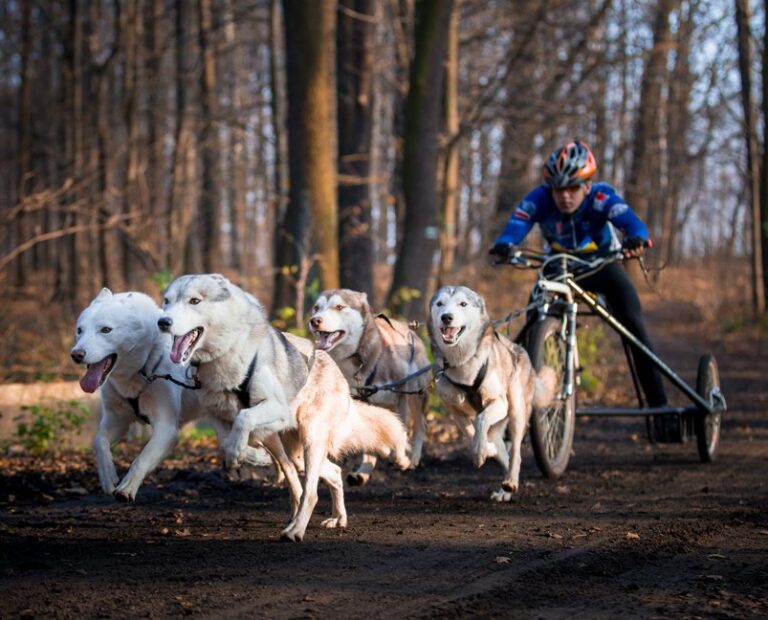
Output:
x=632 y=247
x=502 y=249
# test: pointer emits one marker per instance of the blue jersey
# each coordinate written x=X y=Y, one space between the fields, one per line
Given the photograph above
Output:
x=591 y=228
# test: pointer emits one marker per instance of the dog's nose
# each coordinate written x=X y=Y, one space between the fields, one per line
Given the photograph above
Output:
x=446 y=318
x=164 y=323
x=77 y=355
x=316 y=322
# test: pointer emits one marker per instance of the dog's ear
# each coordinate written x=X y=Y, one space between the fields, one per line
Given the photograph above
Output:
x=103 y=294
x=480 y=304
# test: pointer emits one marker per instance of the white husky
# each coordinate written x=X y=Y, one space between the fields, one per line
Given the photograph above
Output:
x=486 y=378
x=374 y=350
x=117 y=339
x=256 y=381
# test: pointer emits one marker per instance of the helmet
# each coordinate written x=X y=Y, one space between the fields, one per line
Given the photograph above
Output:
x=570 y=165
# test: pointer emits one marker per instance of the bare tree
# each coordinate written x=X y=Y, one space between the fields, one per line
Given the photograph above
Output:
x=750 y=137
x=310 y=43
x=416 y=257
x=355 y=66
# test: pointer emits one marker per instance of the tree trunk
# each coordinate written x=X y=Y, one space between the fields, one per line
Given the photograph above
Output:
x=24 y=178
x=310 y=43
x=639 y=184
x=416 y=258
x=764 y=175
x=355 y=57
x=753 y=172
x=450 y=194
x=209 y=224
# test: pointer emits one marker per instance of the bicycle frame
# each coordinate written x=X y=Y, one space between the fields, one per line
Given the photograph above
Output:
x=568 y=291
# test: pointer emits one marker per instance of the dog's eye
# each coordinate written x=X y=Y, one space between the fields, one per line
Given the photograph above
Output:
x=339 y=307
x=315 y=308
x=105 y=330
x=194 y=301
x=79 y=331
x=463 y=304
x=439 y=304
x=166 y=301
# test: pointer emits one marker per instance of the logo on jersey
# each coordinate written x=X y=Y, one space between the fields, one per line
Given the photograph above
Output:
x=617 y=210
x=525 y=211
x=599 y=201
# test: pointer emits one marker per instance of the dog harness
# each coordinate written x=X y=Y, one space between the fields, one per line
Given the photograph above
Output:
x=368 y=389
x=134 y=403
x=241 y=391
x=471 y=391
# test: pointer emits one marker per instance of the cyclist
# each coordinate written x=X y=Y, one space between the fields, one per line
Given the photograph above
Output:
x=578 y=216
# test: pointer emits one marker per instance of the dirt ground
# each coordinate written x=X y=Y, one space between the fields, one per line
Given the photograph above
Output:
x=629 y=531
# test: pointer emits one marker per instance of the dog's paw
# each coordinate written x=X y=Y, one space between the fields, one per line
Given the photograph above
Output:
x=292 y=534
x=334 y=522
x=501 y=496
x=108 y=478
x=356 y=479
x=234 y=453
x=125 y=492
x=509 y=487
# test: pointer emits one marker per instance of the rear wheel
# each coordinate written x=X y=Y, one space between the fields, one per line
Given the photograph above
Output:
x=707 y=426
x=552 y=427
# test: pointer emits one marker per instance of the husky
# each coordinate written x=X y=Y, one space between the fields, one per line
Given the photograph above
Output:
x=373 y=350
x=486 y=381
x=117 y=340
x=261 y=386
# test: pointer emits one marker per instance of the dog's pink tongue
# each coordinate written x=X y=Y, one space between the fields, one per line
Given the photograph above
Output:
x=92 y=379
x=322 y=341
x=180 y=344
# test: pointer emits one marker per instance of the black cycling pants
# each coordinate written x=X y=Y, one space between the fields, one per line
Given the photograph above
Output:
x=613 y=283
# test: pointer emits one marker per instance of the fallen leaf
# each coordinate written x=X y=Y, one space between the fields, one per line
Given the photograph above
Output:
x=503 y=559
x=716 y=556
x=633 y=536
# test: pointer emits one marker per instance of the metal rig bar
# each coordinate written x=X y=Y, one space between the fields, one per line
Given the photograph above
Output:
x=625 y=333
x=635 y=411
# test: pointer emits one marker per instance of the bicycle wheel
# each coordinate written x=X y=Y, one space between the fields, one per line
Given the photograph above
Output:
x=552 y=427
x=707 y=427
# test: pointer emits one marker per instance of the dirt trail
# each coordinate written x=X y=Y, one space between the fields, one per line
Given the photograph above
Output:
x=628 y=531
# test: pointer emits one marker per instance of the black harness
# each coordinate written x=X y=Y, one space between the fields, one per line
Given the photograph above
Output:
x=368 y=389
x=241 y=391
x=472 y=391
x=134 y=403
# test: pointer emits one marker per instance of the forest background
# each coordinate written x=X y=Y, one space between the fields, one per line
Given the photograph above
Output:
x=378 y=145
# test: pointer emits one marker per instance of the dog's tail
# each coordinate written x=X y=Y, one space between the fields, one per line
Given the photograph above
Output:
x=376 y=431
x=544 y=387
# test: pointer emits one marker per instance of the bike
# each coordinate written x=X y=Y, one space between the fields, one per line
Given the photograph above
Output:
x=549 y=335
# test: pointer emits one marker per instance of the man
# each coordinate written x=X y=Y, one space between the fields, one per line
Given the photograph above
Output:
x=578 y=216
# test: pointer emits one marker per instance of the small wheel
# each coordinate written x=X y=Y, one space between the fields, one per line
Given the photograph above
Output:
x=707 y=426
x=552 y=427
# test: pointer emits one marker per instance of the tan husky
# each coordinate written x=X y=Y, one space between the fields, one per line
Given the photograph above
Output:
x=486 y=381
x=374 y=350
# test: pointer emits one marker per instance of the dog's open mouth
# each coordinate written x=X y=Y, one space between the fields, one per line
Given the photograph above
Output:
x=451 y=334
x=97 y=373
x=327 y=340
x=184 y=345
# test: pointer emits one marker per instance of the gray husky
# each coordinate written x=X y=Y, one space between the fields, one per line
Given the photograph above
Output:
x=259 y=384
x=486 y=381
